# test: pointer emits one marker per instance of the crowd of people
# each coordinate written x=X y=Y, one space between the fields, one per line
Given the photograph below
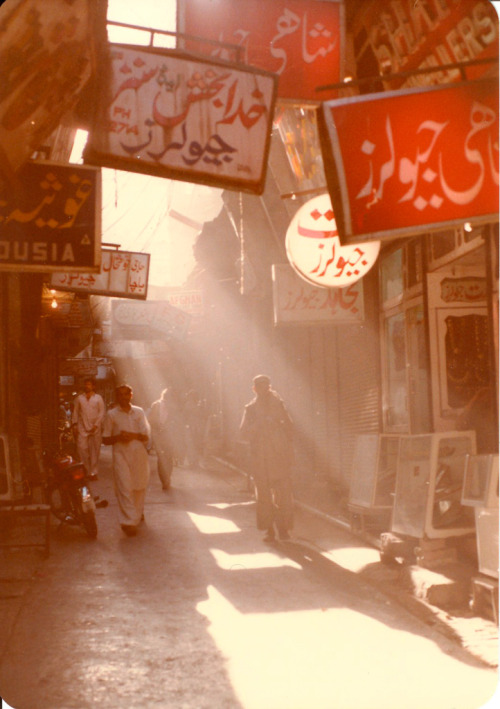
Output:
x=174 y=427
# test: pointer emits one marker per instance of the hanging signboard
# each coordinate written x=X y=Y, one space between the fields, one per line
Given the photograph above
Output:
x=300 y=40
x=185 y=118
x=153 y=320
x=123 y=274
x=53 y=223
x=297 y=302
x=46 y=55
x=414 y=35
x=314 y=250
x=400 y=163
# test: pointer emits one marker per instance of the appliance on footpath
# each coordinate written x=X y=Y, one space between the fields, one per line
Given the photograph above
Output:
x=373 y=480
x=427 y=515
x=480 y=491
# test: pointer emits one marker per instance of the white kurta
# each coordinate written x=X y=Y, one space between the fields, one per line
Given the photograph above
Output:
x=88 y=413
x=130 y=462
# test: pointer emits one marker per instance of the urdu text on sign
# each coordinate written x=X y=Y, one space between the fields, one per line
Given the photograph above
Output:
x=185 y=118
x=53 y=223
x=403 y=162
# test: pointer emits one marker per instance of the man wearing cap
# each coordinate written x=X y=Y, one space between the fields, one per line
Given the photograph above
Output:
x=267 y=426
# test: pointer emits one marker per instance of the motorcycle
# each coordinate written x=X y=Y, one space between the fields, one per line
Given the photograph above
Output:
x=69 y=494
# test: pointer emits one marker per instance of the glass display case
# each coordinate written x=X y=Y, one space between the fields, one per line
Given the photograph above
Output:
x=487 y=540
x=480 y=485
x=373 y=475
x=427 y=502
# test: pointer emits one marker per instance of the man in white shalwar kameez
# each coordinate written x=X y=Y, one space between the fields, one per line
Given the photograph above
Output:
x=88 y=414
x=126 y=428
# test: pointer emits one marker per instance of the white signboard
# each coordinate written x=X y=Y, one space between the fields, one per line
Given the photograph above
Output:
x=123 y=274
x=301 y=303
x=180 y=116
x=314 y=250
x=148 y=321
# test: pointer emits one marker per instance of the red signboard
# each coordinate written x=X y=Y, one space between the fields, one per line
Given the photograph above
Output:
x=399 y=163
x=300 y=40
x=179 y=116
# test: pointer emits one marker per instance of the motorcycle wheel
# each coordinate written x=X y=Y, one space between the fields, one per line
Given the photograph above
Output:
x=57 y=506
x=90 y=524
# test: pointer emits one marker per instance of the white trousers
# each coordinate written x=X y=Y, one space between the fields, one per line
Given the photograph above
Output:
x=130 y=478
x=89 y=448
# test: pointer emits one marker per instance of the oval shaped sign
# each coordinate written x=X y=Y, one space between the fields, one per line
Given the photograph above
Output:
x=314 y=250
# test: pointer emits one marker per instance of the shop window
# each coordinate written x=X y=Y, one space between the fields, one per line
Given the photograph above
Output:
x=396 y=383
x=391 y=276
x=467 y=364
x=473 y=233
x=413 y=273
x=446 y=246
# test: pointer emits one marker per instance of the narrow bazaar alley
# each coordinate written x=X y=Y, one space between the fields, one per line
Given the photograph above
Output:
x=196 y=612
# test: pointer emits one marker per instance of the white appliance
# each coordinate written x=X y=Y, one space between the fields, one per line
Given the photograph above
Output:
x=487 y=540
x=429 y=481
x=373 y=474
x=480 y=486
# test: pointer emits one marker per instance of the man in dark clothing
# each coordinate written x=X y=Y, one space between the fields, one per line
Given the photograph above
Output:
x=267 y=426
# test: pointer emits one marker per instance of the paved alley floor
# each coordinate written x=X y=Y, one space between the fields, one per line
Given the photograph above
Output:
x=197 y=612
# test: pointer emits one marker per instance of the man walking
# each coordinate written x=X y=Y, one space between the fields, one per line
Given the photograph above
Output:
x=87 y=419
x=126 y=428
x=167 y=430
x=267 y=426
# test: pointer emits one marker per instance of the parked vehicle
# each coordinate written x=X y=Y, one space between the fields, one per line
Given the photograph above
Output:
x=70 y=497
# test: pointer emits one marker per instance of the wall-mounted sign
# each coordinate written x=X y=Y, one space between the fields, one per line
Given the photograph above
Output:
x=182 y=117
x=46 y=57
x=402 y=36
x=399 y=163
x=54 y=222
x=123 y=274
x=300 y=303
x=152 y=320
x=300 y=40
x=315 y=252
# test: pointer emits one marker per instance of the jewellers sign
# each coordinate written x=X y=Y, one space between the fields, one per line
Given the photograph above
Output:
x=123 y=274
x=400 y=163
x=53 y=223
x=185 y=118
x=300 y=40
x=297 y=302
x=404 y=36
